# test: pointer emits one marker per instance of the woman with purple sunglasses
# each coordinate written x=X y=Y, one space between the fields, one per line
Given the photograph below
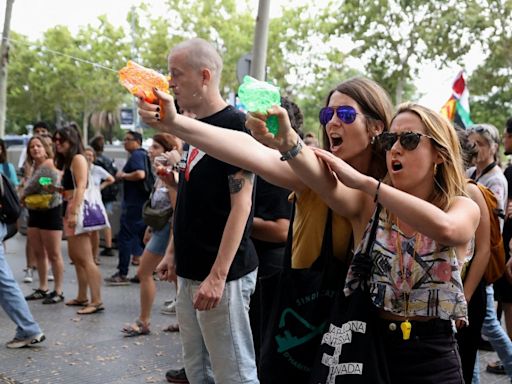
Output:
x=357 y=110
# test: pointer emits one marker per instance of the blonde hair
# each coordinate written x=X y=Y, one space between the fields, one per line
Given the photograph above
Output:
x=47 y=148
x=449 y=180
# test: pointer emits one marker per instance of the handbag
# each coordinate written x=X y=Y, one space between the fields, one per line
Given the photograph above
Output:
x=296 y=304
x=92 y=215
x=351 y=350
x=155 y=218
x=38 y=201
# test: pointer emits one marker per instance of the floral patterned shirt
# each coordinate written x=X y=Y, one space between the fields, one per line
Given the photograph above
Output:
x=410 y=276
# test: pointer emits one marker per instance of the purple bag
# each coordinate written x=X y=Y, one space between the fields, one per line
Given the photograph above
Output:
x=92 y=215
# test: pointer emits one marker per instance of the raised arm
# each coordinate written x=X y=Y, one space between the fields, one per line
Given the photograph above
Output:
x=453 y=227
x=227 y=145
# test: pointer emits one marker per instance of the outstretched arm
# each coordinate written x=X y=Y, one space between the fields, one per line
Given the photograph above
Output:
x=227 y=145
x=453 y=227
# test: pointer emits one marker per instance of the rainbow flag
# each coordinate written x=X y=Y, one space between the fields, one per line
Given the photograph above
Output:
x=456 y=109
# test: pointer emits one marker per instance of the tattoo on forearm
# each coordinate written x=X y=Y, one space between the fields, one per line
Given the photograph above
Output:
x=236 y=182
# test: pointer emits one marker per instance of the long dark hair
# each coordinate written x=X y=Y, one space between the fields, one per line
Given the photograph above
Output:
x=72 y=136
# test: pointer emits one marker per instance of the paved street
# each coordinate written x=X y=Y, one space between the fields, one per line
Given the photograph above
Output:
x=91 y=349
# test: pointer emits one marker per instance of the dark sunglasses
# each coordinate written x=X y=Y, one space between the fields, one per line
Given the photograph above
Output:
x=408 y=140
x=345 y=113
x=58 y=140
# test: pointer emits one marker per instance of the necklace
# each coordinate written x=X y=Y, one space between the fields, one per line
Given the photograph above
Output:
x=406 y=325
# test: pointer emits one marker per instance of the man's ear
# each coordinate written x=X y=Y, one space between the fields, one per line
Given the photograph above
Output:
x=207 y=76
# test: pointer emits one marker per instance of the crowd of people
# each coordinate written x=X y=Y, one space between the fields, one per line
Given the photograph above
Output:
x=220 y=206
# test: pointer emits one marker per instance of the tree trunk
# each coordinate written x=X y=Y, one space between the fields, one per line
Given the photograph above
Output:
x=4 y=59
x=399 y=91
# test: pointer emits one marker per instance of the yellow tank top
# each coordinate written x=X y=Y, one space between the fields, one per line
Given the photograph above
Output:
x=308 y=230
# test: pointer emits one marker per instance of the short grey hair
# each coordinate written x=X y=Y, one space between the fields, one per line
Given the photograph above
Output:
x=201 y=54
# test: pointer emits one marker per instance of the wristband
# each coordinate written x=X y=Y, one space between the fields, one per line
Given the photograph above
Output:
x=294 y=151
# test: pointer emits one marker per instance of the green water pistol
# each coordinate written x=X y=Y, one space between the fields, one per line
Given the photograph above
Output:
x=45 y=181
x=259 y=96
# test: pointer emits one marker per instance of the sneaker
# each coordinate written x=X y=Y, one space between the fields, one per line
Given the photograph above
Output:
x=176 y=376
x=50 y=277
x=117 y=279
x=29 y=275
x=53 y=298
x=20 y=343
x=169 y=309
x=496 y=368
x=38 y=294
x=107 y=252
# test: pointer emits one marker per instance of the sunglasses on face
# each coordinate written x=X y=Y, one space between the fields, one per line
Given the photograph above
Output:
x=345 y=113
x=408 y=140
x=59 y=140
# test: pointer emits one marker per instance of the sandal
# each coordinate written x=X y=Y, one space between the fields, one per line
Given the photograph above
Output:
x=172 y=328
x=136 y=260
x=137 y=329
x=77 y=303
x=91 y=309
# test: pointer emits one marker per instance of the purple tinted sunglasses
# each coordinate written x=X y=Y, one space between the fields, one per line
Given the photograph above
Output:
x=345 y=113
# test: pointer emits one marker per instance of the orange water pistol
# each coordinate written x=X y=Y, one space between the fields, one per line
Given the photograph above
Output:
x=140 y=81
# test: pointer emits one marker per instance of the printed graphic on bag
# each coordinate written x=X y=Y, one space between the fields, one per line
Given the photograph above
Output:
x=93 y=215
x=295 y=331
x=336 y=338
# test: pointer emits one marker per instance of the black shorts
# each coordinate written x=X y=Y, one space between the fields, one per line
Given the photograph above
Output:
x=49 y=219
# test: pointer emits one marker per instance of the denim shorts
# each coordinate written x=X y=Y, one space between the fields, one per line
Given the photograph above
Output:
x=159 y=240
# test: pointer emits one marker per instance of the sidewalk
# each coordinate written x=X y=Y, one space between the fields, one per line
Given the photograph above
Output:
x=88 y=349
x=91 y=349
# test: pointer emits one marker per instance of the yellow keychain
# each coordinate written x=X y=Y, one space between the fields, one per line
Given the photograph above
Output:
x=406 y=329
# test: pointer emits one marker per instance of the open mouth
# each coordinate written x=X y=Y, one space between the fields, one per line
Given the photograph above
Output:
x=336 y=141
x=396 y=166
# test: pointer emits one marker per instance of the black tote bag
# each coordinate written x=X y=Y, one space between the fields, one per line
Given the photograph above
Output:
x=351 y=350
x=296 y=304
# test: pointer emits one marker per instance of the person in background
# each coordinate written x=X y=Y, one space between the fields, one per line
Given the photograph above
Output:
x=311 y=141
x=503 y=287
x=272 y=212
x=44 y=223
x=477 y=258
x=109 y=193
x=487 y=172
x=41 y=128
x=69 y=158
x=7 y=168
x=101 y=179
x=162 y=198
x=132 y=226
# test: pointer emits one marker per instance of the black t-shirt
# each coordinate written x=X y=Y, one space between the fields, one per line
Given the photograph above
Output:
x=271 y=203
x=202 y=209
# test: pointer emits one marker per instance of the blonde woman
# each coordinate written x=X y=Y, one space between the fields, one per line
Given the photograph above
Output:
x=44 y=222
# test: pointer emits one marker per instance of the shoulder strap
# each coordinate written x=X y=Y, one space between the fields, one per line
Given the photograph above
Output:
x=287 y=259
x=485 y=170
